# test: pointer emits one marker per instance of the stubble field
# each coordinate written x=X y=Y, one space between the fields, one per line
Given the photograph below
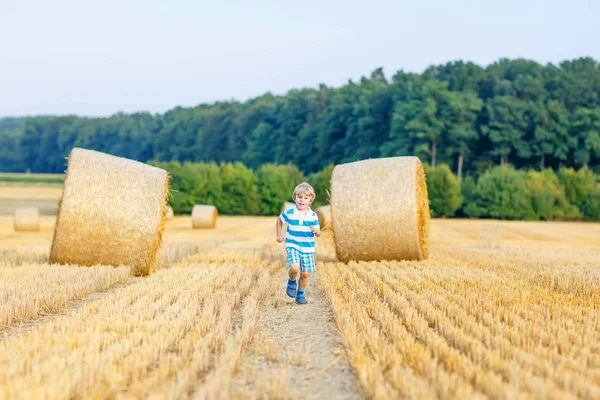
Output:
x=500 y=310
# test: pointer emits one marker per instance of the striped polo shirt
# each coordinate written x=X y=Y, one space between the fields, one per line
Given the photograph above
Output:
x=298 y=234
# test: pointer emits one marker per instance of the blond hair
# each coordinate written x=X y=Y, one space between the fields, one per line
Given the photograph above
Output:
x=306 y=189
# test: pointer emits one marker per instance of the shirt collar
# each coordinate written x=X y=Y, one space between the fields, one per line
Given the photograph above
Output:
x=297 y=212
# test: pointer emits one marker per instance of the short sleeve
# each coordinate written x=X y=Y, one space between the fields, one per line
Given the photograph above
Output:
x=316 y=222
x=284 y=218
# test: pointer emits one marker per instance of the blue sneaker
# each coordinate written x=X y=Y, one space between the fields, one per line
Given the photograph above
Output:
x=300 y=299
x=292 y=288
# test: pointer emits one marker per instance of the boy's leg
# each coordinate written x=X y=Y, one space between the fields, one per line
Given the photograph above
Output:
x=306 y=267
x=294 y=263
x=293 y=273
x=303 y=279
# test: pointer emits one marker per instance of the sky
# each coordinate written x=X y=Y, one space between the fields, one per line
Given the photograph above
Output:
x=96 y=58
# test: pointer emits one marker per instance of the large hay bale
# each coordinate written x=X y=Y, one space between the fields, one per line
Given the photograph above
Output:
x=169 y=213
x=380 y=210
x=204 y=216
x=112 y=212
x=324 y=214
x=27 y=220
x=287 y=205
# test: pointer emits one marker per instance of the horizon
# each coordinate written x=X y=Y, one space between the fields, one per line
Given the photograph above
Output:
x=388 y=76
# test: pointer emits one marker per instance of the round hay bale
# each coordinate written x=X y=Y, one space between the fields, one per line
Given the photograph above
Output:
x=324 y=214
x=169 y=212
x=287 y=205
x=380 y=210
x=204 y=216
x=112 y=212
x=27 y=220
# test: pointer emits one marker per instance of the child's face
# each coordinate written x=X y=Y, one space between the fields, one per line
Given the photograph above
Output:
x=303 y=201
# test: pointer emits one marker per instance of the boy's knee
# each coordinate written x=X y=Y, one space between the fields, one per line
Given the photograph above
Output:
x=295 y=268
x=304 y=275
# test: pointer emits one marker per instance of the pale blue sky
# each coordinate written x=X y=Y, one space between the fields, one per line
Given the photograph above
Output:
x=99 y=57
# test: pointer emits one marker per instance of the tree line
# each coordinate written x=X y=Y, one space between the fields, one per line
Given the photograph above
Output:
x=468 y=117
x=502 y=192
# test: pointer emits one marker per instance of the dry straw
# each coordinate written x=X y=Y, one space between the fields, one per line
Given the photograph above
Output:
x=204 y=216
x=112 y=212
x=170 y=213
x=324 y=214
x=27 y=220
x=287 y=205
x=380 y=210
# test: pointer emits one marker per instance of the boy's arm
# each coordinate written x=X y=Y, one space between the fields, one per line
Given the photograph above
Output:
x=316 y=229
x=279 y=229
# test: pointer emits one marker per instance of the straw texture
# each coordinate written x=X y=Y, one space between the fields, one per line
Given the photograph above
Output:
x=380 y=210
x=27 y=220
x=204 y=216
x=324 y=214
x=112 y=212
x=287 y=205
x=170 y=213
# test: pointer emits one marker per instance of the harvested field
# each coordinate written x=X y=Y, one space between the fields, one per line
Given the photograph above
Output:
x=45 y=198
x=500 y=309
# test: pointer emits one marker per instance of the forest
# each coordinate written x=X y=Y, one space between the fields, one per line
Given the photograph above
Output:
x=466 y=116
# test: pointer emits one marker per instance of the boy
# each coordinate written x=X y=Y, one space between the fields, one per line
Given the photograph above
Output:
x=303 y=226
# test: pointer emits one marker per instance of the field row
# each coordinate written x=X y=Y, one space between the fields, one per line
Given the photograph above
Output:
x=30 y=291
x=176 y=333
x=469 y=330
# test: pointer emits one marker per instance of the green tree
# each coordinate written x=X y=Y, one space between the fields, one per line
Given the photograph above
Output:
x=586 y=127
x=334 y=123
x=443 y=188
x=507 y=126
x=548 y=198
x=460 y=76
x=259 y=150
x=239 y=190
x=551 y=136
x=291 y=119
x=590 y=207
x=11 y=133
x=580 y=83
x=501 y=193
x=463 y=108
x=468 y=186
x=276 y=185
x=417 y=126
x=321 y=182
x=192 y=183
x=577 y=184
x=369 y=125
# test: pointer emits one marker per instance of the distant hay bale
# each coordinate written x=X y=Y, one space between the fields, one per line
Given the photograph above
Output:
x=324 y=214
x=380 y=210
x=27 y=220
x=287 y=205
x=169 y=212
x=112 y=212
x=204 y=216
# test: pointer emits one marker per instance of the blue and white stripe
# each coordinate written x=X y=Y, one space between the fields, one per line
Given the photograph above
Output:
x=299 y=235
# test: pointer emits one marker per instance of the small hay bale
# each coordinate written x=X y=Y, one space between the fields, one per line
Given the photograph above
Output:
x=287 y=205
x=27 y=220
x=112 y=212
x=204 y=216
x=324 y=214
x=170 y=213
x=380 y=210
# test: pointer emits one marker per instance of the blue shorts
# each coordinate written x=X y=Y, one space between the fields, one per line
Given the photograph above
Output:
x=306 y=260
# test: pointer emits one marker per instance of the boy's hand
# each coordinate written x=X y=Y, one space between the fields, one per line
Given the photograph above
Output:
x=280 y=239
x=315 y=230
